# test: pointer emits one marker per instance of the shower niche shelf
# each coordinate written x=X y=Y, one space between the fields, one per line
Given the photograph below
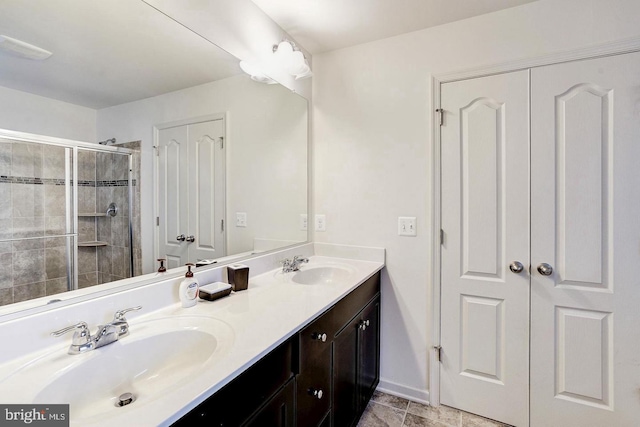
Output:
x=92 y=244
x=92 y=214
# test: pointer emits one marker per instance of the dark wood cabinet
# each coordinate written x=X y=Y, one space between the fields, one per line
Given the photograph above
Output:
x=236 y=402
x=356 y=356
x=369 y=347
x=279 y=412
x=322 y=376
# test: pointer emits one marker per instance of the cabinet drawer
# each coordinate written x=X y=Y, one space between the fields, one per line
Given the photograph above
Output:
x=314 y=388
x=316 y=337
x=350 y=305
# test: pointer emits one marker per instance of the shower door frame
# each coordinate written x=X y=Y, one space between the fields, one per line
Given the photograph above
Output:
x=71 y=219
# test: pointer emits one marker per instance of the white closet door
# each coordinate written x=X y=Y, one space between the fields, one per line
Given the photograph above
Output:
x=173 y=194
x=485 y=218
x=207 y=190
x=585 y=326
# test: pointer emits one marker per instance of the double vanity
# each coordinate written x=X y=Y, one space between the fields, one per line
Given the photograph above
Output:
x=295 y=345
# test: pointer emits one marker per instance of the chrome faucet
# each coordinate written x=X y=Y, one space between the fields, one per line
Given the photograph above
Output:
x=289 y=265
x=83 y=341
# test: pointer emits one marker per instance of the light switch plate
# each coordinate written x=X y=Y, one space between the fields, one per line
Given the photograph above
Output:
x=303 y=222
x=321 y=223
x=407 y=226
x=241 y=219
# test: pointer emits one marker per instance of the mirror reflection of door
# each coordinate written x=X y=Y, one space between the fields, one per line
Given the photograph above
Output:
x=190 y=190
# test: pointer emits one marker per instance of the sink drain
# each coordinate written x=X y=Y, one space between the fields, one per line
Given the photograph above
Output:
x=125 y=399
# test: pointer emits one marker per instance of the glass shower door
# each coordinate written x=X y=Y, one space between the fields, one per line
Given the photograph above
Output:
x=36 y=231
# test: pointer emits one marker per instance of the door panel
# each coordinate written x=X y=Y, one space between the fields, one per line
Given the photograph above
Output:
x=485 y=219
x=191 y=192
x=173 y=194
x=207 y=176
x=585 y=210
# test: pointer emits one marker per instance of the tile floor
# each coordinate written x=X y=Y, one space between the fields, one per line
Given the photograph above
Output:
x=385 y=410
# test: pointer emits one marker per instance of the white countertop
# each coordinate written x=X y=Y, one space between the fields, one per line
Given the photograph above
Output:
x=270 y=311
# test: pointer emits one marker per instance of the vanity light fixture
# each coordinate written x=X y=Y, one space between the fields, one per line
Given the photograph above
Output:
x=290 y=58
x=256 y=73
x=22 y=49
x=286 y=57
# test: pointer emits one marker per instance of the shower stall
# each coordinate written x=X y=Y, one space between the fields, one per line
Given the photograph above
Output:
x=66 y=213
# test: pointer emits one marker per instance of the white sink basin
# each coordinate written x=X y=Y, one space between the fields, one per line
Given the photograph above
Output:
x=322 y=274
x=158 y=358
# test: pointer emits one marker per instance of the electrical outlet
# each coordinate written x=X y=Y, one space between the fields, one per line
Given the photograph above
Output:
x=407 y=226
x=321 y=223
x=303 y=222
x=241 y=219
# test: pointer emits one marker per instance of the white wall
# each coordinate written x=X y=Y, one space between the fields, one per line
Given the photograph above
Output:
x=266 y=136
x=25 y=112
x=372 y=142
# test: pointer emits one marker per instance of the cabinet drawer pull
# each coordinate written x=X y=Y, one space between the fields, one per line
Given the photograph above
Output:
x=319 y=337
x=316 y=393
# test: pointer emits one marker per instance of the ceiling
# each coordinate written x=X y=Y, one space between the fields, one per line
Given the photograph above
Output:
x=324 y=25
x=105 y=53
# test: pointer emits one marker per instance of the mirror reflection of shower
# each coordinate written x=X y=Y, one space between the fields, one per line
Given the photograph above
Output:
x=58 y=233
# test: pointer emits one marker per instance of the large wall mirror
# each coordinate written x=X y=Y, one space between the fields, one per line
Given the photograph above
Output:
x=202 y=163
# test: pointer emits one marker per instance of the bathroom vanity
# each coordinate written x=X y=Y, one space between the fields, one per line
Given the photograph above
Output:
x=296 y=347
x=326 y=371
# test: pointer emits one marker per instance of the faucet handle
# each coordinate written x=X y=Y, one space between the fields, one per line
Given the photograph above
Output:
x=81 y=336
x=119 y=315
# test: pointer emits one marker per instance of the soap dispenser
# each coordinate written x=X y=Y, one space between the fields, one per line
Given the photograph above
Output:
x=189 y=288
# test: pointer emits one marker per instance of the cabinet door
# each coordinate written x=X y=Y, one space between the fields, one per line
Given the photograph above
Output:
x=369 y=346
x=345 y=375
x=279 y=412
x=314 y=379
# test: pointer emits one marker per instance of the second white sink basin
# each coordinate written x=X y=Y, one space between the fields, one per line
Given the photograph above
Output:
x=322 y=274
x=158 y=358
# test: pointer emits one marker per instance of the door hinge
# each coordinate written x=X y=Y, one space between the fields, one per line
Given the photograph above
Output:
x=158 y=221
x=222 y=225
x=440 y=112
x=438 y=350
x=221 y=142
x=155 y=147
x=441 y=236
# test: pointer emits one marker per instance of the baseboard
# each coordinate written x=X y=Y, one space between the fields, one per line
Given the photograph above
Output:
x=410 y=393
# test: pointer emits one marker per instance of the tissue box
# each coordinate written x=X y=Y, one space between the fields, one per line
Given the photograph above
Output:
x=238 y=275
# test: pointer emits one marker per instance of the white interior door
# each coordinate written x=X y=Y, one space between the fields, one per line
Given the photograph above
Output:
x=207 y=188
x=191 y=192
x=585 y=333
x=173 y=193
x=485 y=219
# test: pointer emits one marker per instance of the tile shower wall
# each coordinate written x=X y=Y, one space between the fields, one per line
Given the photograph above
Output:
x=112 y=186
x=32 y=211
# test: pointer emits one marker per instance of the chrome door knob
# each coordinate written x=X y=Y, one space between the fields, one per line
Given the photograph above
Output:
x=545 y=269
x=319 y=337
x=181 y=238
x=516 y=267
x=316 y=393
x=191 y=239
